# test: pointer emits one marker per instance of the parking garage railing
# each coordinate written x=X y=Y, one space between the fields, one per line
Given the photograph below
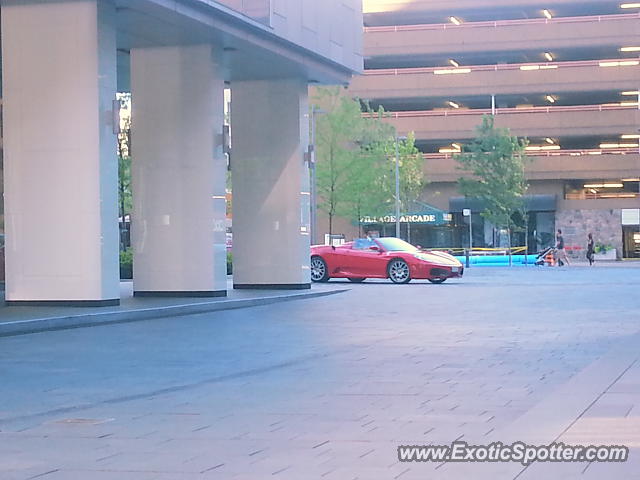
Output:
x=614 y=62
x=553 y=153
x=508 y=111
x=504 y=23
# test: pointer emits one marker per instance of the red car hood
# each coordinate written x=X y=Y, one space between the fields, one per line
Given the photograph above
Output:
x=440 y=258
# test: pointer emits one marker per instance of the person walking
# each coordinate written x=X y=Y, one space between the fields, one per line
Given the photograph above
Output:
x=590 y=248
x=561 y=254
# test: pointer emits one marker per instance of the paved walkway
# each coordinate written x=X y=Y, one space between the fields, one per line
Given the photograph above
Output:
x=27 y=319
x=612 y=419
x=327 y=388
x=130 y=303
x=127 y=302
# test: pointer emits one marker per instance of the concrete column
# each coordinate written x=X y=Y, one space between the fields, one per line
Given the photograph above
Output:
x=60 y=166
x=178 y=172
x=269 y=130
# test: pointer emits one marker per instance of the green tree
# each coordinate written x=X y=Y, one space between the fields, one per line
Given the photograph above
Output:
x=366 y=189
x=359 y=194
x=356 y=160
x=412 y=179
x=495 y=161
x=125 y=201
x=350 y=156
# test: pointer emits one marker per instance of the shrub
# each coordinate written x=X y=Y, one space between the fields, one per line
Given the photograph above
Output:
x=126 y=263
x=126 y=257
x=602 y=248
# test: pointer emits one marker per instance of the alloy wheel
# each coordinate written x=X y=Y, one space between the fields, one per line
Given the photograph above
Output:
x=399 y=271
x=318 y=270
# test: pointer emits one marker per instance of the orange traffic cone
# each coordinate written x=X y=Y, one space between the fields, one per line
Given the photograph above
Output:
x=549 y=259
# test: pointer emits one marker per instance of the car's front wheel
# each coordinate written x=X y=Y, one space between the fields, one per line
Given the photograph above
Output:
x=398 y=271
x=319 y=270
x=437 y=280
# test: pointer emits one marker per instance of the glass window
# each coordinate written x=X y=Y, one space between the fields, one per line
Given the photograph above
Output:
x=600 y=189
x=396 y=245
x=363 y=244
x=259 y=10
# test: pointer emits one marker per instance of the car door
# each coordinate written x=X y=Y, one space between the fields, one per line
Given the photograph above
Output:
x=337 y=260
x=365 y=259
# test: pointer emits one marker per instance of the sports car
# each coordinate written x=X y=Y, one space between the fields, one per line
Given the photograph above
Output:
x=386 y=257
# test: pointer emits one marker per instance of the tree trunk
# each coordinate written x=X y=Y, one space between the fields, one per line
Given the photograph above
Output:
x=122 y=224
x=330 y=228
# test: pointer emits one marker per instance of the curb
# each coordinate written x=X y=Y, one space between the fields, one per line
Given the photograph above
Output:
x=37 y=325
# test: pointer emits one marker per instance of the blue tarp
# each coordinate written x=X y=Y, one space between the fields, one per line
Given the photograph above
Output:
x=498 y=260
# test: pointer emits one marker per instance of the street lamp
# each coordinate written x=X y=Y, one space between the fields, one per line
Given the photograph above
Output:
x=398 y=139
x=312 y=171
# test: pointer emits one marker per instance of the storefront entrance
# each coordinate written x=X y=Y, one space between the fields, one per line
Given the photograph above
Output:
x=631 y=233
x=631 y=242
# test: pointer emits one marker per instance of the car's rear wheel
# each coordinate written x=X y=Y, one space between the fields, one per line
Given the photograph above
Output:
x=357 y=280
x=319 y=270
x=436 y=280
x=398 y=271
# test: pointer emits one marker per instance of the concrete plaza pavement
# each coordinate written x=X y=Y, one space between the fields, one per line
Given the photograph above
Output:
x=17 y=320
x=327 y=388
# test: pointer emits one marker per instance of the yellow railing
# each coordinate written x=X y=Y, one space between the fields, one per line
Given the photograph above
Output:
x=482 y=251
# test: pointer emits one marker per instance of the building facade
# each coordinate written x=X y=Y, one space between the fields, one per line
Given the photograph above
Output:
x=63 y=62
x=564 y=74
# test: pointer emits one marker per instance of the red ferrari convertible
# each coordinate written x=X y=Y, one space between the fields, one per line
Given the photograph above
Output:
x=381 y=258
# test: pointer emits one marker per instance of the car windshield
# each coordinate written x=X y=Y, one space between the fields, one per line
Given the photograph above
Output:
x=396 y=245
x=363 y=243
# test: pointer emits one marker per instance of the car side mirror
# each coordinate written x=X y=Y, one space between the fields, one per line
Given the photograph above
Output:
x=374 y=248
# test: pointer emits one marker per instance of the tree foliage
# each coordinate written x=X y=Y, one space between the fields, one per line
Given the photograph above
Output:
x=355 y=155
x=495 y=161
x=125 y=201
x=412 y=179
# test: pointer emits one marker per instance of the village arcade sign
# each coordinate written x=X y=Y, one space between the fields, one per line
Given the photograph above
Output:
x=425 y=218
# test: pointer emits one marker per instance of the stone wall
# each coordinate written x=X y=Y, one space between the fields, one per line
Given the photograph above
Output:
x=605 y=225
